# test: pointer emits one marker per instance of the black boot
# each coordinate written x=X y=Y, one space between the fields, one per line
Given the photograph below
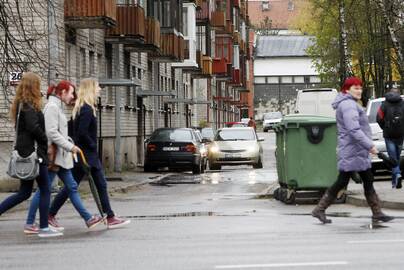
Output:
x=375 y=206
x=319 y=211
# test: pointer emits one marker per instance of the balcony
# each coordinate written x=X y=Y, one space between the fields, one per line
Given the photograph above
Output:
x=243 y=46
x=130 y=27
x=90 y=14
x=236 y=37
x=207 y=66
x=203 y=15
x=172 y=48
x=236 y=77
x=220 y=66
x=152 y=34
x=218 y=19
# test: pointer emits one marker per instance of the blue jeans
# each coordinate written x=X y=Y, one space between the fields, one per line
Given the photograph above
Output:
x=25 y=192
x=394 y=151
x=71 y=187
x=100 y=182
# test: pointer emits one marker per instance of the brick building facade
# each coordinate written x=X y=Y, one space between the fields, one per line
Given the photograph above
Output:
x=136 y=40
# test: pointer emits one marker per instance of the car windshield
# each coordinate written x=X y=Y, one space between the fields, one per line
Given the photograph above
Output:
x=172 y=135
x=274 y=115
x=374 y=107
x=235 y=135
x=208 y=133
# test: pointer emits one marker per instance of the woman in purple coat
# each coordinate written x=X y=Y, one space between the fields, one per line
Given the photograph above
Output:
x=354 y=148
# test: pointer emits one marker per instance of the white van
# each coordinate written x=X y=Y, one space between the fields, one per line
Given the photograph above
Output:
x=316 y=101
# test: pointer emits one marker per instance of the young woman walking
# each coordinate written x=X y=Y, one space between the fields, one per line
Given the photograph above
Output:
x=85 y=137
x=354 y=148
x=31 y=137
x=62 y=159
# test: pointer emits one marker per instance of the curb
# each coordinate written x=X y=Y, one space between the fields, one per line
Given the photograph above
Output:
x=360 y=201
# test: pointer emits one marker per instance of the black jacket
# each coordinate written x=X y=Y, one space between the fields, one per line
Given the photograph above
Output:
x=392 y=100
x=85 y=135
x=31 y=128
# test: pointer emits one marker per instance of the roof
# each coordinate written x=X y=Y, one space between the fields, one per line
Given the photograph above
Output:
x=283 y=46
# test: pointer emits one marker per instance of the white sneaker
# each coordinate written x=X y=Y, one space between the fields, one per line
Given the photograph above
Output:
x=58 y=229
x=48 y=232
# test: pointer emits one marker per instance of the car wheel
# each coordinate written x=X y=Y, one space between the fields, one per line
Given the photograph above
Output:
x=265 y=130
x=197 y=169
x=214 y=167
x=258 y=165
x=148 y=168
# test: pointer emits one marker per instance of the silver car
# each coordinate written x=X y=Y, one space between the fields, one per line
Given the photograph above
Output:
x=235 y=146
x=377 y=132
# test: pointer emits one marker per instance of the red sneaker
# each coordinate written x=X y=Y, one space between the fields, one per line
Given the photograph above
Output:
x=114 y=222
x=53 y=223
x=94 y=221
x=31 y=229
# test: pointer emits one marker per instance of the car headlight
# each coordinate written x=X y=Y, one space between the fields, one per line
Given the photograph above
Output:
x=214 y=149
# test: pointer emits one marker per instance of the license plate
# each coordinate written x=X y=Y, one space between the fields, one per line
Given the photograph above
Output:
x=232 y=155
x=171 y=149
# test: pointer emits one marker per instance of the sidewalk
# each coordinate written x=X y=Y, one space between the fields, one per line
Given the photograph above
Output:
x=117 y=183
x=390 y=198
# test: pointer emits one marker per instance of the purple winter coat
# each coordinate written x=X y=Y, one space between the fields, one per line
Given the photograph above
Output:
x=354 y=135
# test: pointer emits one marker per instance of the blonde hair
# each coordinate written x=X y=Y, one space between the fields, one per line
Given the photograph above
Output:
x=86 y=95
x=29 y=92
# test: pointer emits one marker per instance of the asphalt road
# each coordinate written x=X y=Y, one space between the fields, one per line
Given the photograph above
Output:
x=210 y=222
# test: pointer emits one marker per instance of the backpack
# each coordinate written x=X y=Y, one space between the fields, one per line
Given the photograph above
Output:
x=394 y=119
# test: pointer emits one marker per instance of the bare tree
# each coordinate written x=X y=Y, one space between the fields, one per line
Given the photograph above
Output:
x=385 y=6
x=345 y=67
x=23 y=42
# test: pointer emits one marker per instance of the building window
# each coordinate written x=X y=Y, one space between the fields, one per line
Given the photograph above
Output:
x=92 y=64
x=259 y=80
x=273 y=79
x=291 y=5
x=265 y=6
x=185 y=21
x=299 y=79
x=287 y=79
x=315 y=79
x=82 y=63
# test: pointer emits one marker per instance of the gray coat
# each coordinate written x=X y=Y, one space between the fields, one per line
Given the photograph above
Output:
x=354 y=135
x=56 y=131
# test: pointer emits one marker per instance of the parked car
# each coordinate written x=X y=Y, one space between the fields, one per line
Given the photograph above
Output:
x=235 y=146
x=316 y=101
x=377 y=133
x=175 y=148
x=270 y=119
x=208 y=134
x=204 y=149
x=245 y=121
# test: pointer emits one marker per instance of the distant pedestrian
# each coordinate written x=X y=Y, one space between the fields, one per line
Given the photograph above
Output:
x=60 y=155
x=85 y=137
x=26 y=113
x=252 y=124
x=354 y=145
x=390 y=118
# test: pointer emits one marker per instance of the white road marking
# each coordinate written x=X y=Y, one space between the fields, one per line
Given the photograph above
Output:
x=278 y=265
x=376 y=241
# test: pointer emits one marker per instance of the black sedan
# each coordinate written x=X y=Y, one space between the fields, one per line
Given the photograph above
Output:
x=175 y=148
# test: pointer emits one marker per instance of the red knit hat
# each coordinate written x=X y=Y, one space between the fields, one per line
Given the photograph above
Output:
x=350 y=82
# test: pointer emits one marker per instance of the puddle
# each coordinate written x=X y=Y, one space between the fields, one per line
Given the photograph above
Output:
x=186 y=214
x=374 y=226
x=177 y=179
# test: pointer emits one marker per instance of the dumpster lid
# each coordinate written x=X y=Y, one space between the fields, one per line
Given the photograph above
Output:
x=309 y=119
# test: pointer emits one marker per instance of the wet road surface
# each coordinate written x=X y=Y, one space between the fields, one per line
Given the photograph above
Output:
x=213 y=221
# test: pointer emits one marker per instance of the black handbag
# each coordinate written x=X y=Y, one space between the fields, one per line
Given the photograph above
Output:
x=19 y=167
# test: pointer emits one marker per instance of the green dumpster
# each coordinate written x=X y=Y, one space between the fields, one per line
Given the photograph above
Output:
x=306 y=155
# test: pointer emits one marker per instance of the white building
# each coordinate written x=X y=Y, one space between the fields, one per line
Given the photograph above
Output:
x=282 y=65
